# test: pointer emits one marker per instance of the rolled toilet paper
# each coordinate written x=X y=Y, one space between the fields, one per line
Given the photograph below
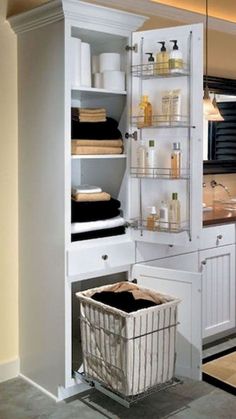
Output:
x=85 y=65
x=98 y=80
x=114 y=80
x=75 y=55
x=95 y=64
x=109 y=61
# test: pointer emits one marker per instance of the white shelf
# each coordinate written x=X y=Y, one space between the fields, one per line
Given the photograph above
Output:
x=79 y=92
x=98 y=156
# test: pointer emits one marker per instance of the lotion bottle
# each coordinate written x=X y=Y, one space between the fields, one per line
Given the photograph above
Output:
x=141 y=158
x=152 y=219
x=176 y=160
x=162 y=60
x=164 y=216
x=174 y=213
x=176 y=59
x=151 y=159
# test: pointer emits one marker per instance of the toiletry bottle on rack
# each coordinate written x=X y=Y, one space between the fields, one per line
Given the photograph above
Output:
x=174 y=213
x=176 y=106
x=141 y=158
x=164 y=216
x=176 y=161
x=162 y=60
x=151 y=159
x=176 y=59
x=145 y=113
x=149 y=68
x=152 y=219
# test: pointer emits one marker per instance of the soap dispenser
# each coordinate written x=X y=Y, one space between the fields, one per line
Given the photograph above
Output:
x=162 y=60
x=149 y=68
x=176 y=59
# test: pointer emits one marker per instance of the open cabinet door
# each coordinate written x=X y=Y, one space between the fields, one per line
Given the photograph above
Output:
x=177 y=114
x=187 y=287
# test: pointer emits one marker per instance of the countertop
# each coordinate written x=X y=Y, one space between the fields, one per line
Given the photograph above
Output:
x=218 y=216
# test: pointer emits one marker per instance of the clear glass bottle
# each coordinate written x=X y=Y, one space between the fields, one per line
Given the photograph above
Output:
x=174 y=213
x=176 y=161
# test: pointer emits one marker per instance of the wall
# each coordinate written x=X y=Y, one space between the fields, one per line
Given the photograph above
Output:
x=8 y=199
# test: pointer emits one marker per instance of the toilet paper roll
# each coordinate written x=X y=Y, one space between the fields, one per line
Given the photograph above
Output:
x=98 y=80
x=95 y=64
x=85 y=65
x=75 y=54
x=114 y=80
x=109 y=61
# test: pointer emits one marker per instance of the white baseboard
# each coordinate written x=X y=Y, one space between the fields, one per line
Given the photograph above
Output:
x=33 y=383
x=9 y=370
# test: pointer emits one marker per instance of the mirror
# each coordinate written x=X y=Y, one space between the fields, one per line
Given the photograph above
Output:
x=219 y=138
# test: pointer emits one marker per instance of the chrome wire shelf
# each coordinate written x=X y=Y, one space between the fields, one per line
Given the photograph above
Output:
x=160 y=173
x=158 y=71
x=126 y=401
x=166 y=227
x=162 y=121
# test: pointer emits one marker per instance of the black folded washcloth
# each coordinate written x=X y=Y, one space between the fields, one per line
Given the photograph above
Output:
x=94 y=211
x=95 y=130
x=116 y=231
x=123 y=300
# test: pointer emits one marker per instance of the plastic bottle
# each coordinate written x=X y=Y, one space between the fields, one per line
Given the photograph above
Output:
x=162 y=60
x=141 y=158
x=151 y=159
x=176 y=161
x=149 y=68
x=147 y=112
x=174 y=213
x=152 y=219
x=176 y=59
x=164 y=216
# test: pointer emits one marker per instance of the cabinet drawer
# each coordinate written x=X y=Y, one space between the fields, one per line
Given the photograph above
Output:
x=98 y=258
x=217 y=236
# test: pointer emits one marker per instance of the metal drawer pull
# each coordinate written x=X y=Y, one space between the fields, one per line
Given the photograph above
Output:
x=219 y=237
x=104 y=257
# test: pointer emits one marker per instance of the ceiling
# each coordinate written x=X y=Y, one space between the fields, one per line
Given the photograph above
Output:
x=222 y=9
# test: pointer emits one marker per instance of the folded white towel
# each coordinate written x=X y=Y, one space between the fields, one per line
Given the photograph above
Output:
x=97 y=225
x=85 y=189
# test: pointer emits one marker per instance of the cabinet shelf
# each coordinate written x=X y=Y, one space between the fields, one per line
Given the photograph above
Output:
x=158 y=173
x=157 y=71
x=90 y=92
x=167 y=227
x=98 y=156
x=162 y=121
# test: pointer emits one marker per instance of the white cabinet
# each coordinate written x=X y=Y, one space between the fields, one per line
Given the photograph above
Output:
x=218 y=289
x=49 y=261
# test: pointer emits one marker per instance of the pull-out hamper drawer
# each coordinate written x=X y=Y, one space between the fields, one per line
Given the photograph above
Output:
x=219 y=235
x=98 y=258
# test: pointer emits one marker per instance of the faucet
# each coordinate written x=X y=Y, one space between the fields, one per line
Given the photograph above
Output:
x=214 y=184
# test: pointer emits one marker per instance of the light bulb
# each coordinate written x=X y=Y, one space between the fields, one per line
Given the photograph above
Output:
x=208 y=107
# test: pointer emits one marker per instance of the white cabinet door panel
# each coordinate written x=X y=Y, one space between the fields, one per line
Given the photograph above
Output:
x=218 y=288
x=187 y=287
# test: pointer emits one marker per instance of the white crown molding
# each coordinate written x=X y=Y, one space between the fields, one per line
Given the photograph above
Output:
x=78 y=11
x=172 y=13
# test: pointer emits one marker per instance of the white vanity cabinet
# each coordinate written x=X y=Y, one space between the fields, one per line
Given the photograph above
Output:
x=50 y=263
x=218 y=282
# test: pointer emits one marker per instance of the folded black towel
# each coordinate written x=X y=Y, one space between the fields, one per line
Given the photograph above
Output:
x=123 y=300
x=116 y=231
x=94 y=211
x=95 y=130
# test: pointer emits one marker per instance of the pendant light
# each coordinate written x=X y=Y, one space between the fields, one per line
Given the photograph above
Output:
x=210 y=109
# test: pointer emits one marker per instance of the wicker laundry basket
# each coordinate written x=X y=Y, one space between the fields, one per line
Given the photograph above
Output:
x=128 y=352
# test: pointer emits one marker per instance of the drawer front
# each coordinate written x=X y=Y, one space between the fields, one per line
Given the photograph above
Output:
x=99 y=258
x=217 y=236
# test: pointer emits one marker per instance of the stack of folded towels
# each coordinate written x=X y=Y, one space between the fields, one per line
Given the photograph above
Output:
x=92 y=132
x=94 y=214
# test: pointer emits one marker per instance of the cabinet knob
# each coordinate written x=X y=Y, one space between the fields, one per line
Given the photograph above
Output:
x=204 y=262
x=104 y=257
x=219 y=237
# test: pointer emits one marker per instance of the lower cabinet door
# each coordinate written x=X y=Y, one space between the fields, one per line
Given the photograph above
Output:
x=186 y=286
x=218 y=289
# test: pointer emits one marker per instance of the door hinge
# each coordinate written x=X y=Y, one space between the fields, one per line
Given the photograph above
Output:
x=134 y=135
x=132 y=48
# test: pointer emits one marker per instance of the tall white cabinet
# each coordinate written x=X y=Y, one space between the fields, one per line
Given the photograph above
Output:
x=50 y=263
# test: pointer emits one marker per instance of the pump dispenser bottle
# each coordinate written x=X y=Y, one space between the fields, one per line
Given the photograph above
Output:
x=149 y=68
x=162 y=60
x=176 y=59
